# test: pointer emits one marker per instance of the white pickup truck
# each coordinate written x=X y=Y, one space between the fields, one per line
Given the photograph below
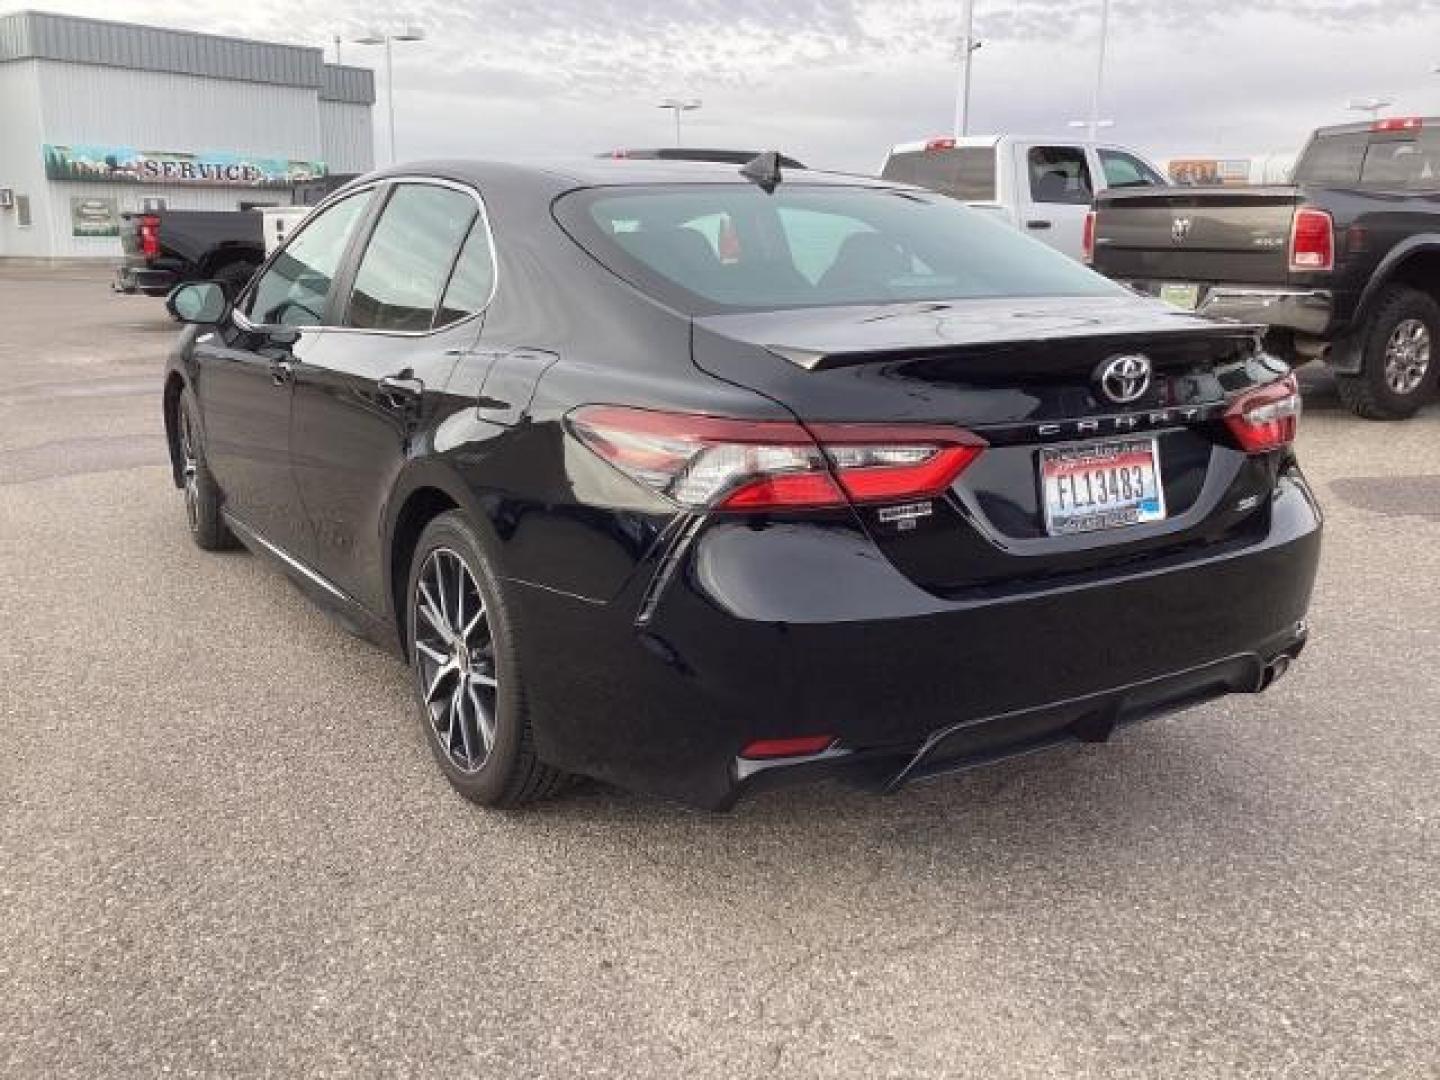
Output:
x=1041 y=186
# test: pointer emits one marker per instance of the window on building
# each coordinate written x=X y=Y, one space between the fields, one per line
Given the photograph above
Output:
x=293 y=291
x=1059 y=174
x=22 y=211
x=409 y=258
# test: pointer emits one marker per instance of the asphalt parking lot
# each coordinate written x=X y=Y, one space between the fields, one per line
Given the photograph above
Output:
x=224 y=849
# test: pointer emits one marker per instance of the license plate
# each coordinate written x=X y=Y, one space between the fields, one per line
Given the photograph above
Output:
x=1101 y=485
x=1181 y=296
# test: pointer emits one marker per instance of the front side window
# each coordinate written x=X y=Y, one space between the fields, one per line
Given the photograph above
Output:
x=812 y=245
x=1059 y=174
x=294 y=288
x=1126 y=170
x=409 y=258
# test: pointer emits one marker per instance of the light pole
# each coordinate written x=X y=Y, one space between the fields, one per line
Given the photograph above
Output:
x=1092 y=126
x=1094 y=121
x=1371 y=105
x=678 y=106
x=967 y=46
x=409 y=33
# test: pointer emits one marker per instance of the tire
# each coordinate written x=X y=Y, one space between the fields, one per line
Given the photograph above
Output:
x=234 y=276
x=500 y=769
x=1399 y=365
x=202 y=495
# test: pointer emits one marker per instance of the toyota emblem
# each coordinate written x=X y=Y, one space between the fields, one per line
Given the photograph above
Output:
x=1124 y=379
x=1180 y=230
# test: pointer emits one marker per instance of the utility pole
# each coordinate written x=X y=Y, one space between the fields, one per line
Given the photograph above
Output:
x=968 y=45
x=1099 y=71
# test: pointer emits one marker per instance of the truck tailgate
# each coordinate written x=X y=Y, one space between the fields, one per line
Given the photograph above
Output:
x=1202 y=235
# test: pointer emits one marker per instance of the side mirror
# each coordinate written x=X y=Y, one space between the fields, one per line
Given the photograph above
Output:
x=201 y=302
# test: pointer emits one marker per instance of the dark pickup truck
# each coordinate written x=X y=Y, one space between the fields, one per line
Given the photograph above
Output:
x=1342 y=264
x=166 y=248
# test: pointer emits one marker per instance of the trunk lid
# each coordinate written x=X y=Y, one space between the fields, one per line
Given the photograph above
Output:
x=1201 y=235
x=1023 y=376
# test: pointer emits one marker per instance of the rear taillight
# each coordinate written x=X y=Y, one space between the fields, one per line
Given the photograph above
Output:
x=1312 y=241
x=711 y=462
x=1265 y=419
x=149 y=236
x=1087 y=239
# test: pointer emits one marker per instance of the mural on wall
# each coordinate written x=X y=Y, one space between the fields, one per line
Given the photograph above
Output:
x=96 y=161
x=94 y=217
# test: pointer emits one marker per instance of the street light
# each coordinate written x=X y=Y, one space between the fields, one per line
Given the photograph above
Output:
x=1095 y=123
x=966 y=46
x=1092 y=125
x=678 y=106
x=408 y=33
x=1372 y=105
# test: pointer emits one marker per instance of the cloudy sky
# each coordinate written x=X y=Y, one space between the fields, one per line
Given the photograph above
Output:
x=837 y=81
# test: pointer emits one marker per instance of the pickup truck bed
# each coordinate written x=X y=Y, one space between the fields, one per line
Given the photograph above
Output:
x=1343 y=265
x=169 y=247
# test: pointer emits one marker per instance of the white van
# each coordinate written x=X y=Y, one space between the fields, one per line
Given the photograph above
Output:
x=1041 y=186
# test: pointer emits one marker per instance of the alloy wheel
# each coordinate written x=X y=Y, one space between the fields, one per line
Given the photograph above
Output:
x=1407 y=356
x=455 y=659
x=190 y=470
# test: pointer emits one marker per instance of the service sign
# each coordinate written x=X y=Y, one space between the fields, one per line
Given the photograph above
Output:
x=125 y=164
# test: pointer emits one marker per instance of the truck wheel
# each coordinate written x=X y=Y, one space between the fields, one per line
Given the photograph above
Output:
x=234 y=276
x=1397 y=350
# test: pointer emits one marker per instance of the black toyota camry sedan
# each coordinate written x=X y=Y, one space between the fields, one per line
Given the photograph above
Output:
x=696 y=478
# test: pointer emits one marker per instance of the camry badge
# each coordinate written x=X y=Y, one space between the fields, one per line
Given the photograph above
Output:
x=1180 y=230
x=1124 y=378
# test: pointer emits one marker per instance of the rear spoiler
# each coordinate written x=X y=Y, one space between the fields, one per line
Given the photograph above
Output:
x=816 y=360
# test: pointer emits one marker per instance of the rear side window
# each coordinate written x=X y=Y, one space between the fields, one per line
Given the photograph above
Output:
x=1334 y=159
x=1126 y=170
x=294 y=288
x=409 y=258
x=708 y=248
x=964 y=172
x=1059 y=174
x=474 y=278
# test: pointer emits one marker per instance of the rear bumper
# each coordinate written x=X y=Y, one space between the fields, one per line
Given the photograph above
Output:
x=788 y=631
x=151 y=281
x=1305 y=311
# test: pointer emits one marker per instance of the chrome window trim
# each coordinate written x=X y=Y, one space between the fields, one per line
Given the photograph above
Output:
x=392 y=181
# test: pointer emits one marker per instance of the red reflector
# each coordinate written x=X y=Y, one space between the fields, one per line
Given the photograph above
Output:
x=940 y=144
x=1312 y=241
x=1087 y=240
x=1267 y=418
x=799 y=746
x=1398 y=123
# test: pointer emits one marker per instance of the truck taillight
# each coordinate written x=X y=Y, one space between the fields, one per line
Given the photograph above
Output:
x=939 y=144
x=1312 y=241
x=1087 y=240
x=149 y=236
x=1267 y=418
x=1398 y=123
x=712 y=462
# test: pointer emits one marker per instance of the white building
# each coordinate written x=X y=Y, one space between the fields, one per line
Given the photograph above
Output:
x=98 y=118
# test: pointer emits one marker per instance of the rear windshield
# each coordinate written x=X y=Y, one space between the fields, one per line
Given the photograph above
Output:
x=1380 y=160
x=723 y=247
x=966 y=172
